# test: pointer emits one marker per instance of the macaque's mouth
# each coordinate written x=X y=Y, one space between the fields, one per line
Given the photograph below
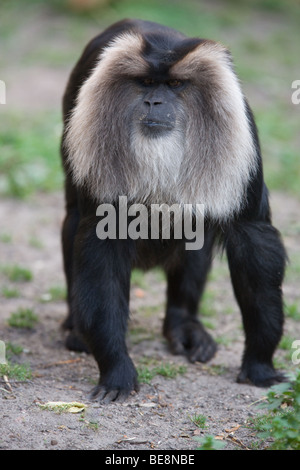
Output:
x=156 y=124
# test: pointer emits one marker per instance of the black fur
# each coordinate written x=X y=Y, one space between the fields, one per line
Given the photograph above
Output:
x=98 y=272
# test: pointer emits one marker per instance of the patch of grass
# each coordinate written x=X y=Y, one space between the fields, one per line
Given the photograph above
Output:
x=16 y=273
x=199 y=420
x=13 y=349
x=145 y=375
x=16 y=371
x=23 y=318
x=168 y=370
x=208 y=324
x=54 y=294
x=210 y=443
x=286 y=342
x=281 y=423
x=58 y=292
x=10 y=292
x=292 y=311
x=93 y=425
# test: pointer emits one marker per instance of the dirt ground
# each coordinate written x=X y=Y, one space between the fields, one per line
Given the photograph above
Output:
x=160 y=417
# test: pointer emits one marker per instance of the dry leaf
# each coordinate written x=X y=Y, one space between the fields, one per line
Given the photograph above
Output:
x=235 y=428
x=64 y=407
x=76 y=409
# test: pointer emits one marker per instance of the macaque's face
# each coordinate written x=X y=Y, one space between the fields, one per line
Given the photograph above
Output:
x=160 y=105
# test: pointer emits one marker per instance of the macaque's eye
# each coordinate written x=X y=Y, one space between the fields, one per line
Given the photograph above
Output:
x=148 y=81
x=174 y=83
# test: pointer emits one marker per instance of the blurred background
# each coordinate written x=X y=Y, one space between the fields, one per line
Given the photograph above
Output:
x=40 y=41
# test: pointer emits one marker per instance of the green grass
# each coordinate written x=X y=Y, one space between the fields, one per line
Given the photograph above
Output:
x=210 y=443
x=174 y=13
x=286 y=346
x=208 y=324
x=23 y=318
x=55 y=294
x=13 y=349
x=199 y=420
x=58 y=292
x=93 y=425
x=278 y=134
x=292 y=311
x=10 y=292
x=16 y=371
x=149 y=368
x=29 y=159
x=281 y=423
x=12 y=370
x=16 y=273
x=286 y=342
